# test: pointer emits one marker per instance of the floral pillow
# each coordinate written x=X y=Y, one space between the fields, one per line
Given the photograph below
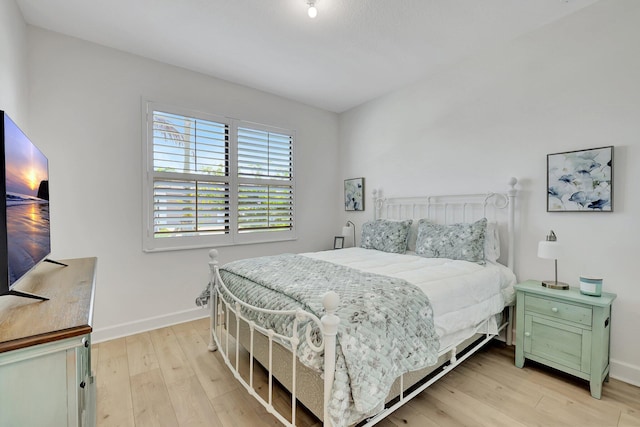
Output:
x=461 y=241
x=386 y=235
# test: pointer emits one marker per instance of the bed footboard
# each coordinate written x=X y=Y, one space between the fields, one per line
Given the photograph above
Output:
x=226 y=318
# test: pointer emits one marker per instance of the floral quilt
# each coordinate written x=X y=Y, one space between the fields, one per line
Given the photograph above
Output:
x=386 y=324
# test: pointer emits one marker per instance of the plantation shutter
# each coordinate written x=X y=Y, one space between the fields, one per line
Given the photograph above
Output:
x=211 y=181
x=191 y=191
x=265 y=180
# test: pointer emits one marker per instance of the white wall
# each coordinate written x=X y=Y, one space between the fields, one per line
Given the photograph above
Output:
x=85 y=110
x=13 y=64
x=570 y=85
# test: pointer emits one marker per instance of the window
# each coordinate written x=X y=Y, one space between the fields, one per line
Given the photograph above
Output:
x=212 y=181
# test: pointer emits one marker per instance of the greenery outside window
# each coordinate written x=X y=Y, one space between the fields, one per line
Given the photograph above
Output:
x=212 y=181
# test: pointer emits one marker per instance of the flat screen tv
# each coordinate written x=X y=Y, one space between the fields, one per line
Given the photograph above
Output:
x=25 y=238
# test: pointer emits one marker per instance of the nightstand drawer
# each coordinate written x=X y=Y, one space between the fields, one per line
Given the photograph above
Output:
x=560 y=310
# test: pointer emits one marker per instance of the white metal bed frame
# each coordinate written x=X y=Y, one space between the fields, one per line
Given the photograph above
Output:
x=443 y=209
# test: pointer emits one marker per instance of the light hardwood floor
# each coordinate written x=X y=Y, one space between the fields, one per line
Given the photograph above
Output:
x=167 y=377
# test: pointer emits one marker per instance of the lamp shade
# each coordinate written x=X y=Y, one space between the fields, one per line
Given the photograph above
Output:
x=549 y=250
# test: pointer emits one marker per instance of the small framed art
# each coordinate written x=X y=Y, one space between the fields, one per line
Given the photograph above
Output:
x=354 y=194
x=338 y=242
x=580 y=181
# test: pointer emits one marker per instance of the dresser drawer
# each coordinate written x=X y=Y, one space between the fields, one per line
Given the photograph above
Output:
x=560 y=310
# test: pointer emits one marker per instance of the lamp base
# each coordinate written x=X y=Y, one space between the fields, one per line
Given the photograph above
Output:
x=552 y=284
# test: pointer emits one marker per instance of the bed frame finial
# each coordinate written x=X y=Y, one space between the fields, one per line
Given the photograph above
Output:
x=331 y=301
x=213 y=254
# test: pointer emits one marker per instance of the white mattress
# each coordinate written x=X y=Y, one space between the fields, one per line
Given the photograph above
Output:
x=463 y=294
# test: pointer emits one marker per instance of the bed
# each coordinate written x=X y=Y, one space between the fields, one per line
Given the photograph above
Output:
x=355 y=333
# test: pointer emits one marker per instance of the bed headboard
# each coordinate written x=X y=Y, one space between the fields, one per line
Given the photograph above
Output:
x=497 y=207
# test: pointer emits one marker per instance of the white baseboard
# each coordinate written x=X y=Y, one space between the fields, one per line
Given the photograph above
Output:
x=138 y=326
x=624 y=372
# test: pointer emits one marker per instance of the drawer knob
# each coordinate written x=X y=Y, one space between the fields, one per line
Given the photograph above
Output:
x=554 y=309
x=527 y=334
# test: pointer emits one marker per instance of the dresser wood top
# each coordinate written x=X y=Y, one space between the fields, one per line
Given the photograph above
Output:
x=67 y=313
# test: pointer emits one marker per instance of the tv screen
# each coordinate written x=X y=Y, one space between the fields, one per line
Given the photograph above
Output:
x=24 y=229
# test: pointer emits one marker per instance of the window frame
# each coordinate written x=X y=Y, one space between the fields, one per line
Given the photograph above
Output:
x=233 y=237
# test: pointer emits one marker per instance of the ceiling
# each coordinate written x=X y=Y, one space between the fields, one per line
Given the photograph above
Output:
x=354 y=51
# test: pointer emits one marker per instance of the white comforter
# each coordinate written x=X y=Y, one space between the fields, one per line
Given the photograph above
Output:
x=463 y=294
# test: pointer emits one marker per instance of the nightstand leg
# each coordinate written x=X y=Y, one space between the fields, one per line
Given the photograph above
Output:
x=520 y=330
x=519 y=357
x=596 y=388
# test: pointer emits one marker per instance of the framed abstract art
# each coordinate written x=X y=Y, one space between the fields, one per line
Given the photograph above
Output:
x=354 y=194
x=580 y=181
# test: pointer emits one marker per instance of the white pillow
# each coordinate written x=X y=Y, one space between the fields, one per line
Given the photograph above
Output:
x=413 y=236
x=492 y=242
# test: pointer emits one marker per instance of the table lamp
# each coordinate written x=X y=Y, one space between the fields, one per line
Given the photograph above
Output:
x=346 y=230
x=551 y=249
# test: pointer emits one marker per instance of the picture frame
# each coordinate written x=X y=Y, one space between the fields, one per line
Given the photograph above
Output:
x=580 y=181
x=354 y=194
x=338 y=242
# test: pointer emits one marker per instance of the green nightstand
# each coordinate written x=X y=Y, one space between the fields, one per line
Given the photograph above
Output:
x=565 y=330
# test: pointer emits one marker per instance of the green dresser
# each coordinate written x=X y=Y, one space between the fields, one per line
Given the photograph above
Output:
x=565 y=330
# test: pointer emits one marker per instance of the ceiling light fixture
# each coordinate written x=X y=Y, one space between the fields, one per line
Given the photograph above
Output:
x=312 y=12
